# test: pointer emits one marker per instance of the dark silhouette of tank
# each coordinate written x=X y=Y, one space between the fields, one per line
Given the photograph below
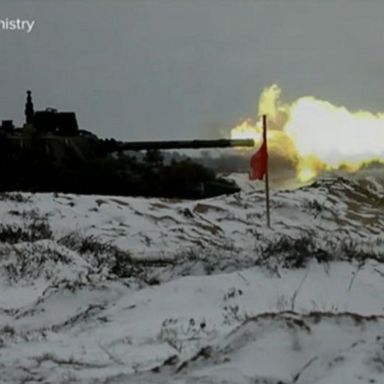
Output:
x=51 y=122
x=50 y=152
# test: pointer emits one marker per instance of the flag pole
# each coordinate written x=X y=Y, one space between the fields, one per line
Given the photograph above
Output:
x=266 y=172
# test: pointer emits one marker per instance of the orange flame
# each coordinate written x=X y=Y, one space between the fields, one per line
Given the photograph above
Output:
x=324 y=136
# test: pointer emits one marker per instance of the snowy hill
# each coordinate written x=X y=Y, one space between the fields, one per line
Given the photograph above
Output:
x=100 y=289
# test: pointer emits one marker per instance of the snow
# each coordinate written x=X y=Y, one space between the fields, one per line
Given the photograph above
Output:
x=98 y=289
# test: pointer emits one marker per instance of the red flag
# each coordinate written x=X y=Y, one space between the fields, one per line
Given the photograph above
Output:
x=258 y=163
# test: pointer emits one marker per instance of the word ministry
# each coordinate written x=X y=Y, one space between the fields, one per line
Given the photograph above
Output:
x=8 y=24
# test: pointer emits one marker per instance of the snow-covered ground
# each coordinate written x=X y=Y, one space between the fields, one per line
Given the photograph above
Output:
x=100 y=289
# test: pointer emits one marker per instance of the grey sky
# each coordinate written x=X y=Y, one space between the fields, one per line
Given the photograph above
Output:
x=167 y=69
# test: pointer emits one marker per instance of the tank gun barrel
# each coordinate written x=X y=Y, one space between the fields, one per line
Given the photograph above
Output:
x=182 y=144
